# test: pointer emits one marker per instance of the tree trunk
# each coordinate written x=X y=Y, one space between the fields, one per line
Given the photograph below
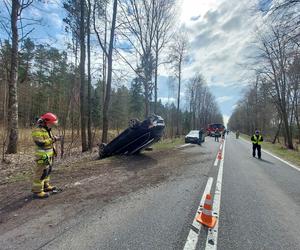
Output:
x=13 y=80
x=147 y=104
x=82 y=77
x=155 y=79
x=289 y=139
x=109 y=73
x=277 y=133
x=89 y=125
x=178 y=97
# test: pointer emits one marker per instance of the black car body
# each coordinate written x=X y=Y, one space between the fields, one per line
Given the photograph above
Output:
x=134 y=139
x=195 y=136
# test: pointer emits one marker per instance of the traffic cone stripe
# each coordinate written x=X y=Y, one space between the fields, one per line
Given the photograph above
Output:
x=208 y=202
x=205 y=217
x=207 y=212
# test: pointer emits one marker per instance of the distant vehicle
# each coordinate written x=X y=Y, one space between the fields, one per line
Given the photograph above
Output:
x=134 y=139
x=193 y=137
x=213 y=126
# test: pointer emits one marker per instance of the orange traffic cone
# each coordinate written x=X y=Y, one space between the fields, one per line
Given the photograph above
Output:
x=219 y=155
x=205 y=217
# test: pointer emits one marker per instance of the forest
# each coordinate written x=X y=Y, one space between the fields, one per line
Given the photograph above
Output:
x=107 y=72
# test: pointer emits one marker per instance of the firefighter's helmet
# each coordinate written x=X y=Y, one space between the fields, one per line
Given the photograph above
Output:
x=48 y=119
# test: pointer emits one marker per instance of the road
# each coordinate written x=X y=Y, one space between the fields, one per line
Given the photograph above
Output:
x=259 y=208
x=260 y=205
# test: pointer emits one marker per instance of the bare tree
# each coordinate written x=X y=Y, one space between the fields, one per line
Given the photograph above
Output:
x=139 y=29
x=164 y=23
x=89 y=106
x=202 y=104
x=178 y=54
x=15 y=16
x=275 y=49
x=82 y=76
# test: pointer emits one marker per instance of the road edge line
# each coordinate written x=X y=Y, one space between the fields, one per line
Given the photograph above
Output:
x=212 y=236
x=192 y=239
x=276 y=157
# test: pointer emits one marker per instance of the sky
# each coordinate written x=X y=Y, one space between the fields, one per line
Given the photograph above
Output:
x=221 y=34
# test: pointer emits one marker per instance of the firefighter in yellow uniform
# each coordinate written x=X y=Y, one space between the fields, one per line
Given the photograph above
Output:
x=45 y=151
x=256 y=140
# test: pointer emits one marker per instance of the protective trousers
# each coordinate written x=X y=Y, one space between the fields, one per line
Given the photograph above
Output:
x=41 y=176
x=254 y=147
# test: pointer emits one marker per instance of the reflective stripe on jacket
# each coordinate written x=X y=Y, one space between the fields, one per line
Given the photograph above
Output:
x=44 y=145
x=257 y=139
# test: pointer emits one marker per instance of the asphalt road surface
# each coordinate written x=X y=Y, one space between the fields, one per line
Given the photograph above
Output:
x=258 y=208
x=260 y=205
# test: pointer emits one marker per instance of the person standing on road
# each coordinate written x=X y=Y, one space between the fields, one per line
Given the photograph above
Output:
x=44 y=153
x=257 y=140
x=217 y=134
x=223 y=134
x=201 y=136
x=237 y=134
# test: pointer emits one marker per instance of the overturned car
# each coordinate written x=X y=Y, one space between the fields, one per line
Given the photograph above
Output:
x=138 y=136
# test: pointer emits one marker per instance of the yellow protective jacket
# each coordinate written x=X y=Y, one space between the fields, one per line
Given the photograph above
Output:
x=43 y=140
x=257 y=139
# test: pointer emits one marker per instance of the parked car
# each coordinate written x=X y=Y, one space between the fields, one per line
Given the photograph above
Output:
x=195 y=136
x=138 y=136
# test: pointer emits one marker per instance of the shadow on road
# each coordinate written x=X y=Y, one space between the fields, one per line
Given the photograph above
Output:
x=15 y=204
x=269 y=162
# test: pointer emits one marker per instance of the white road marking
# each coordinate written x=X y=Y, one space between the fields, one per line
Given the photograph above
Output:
x=192 y=238
x=276 y=157
x=184 y=145
x=212 y=236
x=216 y=162
x=289 y=164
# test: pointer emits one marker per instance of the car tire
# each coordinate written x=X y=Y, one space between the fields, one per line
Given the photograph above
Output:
x=101 y=150
x=133 y=123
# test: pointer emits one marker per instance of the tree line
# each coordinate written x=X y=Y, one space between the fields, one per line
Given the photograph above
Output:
x=271 y=103
x=37 y=78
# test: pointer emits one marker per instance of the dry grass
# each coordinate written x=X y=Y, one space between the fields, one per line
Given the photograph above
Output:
x=18 y=167
x=26 y=145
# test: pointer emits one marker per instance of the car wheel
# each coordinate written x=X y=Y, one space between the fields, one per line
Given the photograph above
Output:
x=101 y=150
x=133 y=123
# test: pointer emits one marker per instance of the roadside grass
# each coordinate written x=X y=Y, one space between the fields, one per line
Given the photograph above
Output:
x=168 y=143
x=279 y=150
x=69 y=163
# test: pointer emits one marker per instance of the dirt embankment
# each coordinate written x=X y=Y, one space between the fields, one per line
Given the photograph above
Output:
x=87 y=182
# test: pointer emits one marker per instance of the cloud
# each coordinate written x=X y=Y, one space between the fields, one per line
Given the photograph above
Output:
x=205 y=39
x=222 y=46
x=195 y=18
x=56 y=20
x=224 y=99
x=232 y=24
x=167 y=100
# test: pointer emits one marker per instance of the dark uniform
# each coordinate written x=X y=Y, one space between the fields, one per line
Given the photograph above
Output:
x=217 y=135
x=257 y=140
